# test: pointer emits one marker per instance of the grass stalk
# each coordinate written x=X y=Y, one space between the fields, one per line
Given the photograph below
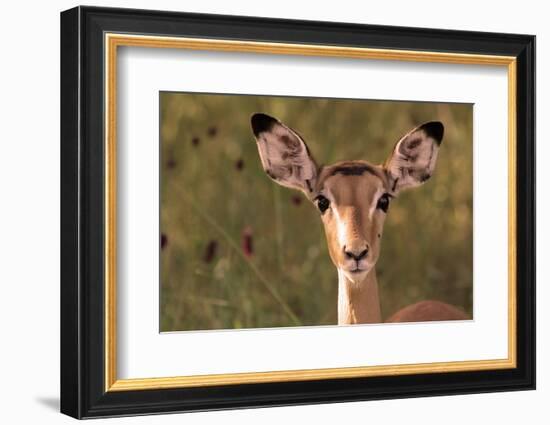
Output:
x=279 y=226
x=253 y=267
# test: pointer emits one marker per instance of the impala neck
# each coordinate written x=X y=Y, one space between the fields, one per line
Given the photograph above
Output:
x=358 y=302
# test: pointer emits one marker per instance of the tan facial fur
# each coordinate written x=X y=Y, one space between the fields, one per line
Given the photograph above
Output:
x=353 y=223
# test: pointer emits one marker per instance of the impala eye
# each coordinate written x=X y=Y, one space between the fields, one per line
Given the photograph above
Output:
x=384 y=202
x=322 y=203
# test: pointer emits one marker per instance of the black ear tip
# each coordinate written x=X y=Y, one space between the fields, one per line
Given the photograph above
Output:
x=435 y=130
x=261 y=122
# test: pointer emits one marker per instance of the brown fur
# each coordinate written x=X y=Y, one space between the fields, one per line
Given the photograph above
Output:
x=353 y=197
x=426 y=311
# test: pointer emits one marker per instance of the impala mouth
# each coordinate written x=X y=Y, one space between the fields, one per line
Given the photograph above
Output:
x=354 y=274
x=358 y=270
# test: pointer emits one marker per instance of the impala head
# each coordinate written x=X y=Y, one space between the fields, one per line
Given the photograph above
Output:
x=352 y=197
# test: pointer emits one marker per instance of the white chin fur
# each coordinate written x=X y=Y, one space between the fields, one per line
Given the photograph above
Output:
x=355 y=277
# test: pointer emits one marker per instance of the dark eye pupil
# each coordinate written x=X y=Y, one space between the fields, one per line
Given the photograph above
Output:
x=383 y=203
x=322 y=203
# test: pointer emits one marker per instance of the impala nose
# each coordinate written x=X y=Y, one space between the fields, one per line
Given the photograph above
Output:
x=356 y=254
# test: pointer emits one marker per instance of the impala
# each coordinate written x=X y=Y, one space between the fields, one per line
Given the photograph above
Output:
x=353 y=198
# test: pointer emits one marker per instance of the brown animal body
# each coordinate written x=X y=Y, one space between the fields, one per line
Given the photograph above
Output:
x=427 y=311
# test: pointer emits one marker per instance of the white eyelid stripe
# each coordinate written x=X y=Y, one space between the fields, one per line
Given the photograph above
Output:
x=377 y=196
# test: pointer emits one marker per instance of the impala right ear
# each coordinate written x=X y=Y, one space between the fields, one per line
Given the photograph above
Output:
x=284 y=155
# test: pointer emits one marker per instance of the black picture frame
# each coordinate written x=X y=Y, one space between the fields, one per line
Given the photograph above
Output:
x=83 y=392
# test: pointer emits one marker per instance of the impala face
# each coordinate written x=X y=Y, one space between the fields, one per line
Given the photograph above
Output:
x=353 y=197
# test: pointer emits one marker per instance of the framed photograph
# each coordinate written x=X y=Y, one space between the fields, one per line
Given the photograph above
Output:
x=261 y=212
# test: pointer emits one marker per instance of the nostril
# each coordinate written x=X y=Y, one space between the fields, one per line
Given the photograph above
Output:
x=357 y=257
x=362 y=254
x=347 y=253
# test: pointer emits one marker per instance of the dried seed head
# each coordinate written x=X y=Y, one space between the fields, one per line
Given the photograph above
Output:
x=247 y=242
x=163 y=241
x=210 y=252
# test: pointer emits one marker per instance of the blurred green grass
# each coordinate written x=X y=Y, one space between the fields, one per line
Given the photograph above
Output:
x=238 y=251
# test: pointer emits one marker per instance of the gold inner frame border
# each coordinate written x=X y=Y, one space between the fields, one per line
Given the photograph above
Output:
x=113 y=40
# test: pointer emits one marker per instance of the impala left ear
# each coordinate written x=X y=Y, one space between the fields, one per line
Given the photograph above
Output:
x=413 y=159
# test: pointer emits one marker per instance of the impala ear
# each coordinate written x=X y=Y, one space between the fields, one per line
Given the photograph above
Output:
x=284 y=155
x=413 y=159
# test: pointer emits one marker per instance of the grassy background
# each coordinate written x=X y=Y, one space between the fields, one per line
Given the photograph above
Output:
x=238 y=251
